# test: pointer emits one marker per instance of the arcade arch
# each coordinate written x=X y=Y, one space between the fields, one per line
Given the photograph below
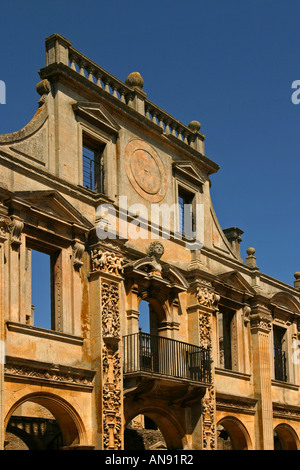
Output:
x=38 y=409
x=233 y=431
x=171 y=430
x=285 y=438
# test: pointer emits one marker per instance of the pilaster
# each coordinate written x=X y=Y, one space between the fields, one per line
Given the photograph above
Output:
x=106 y=281
x=204 y=306
x=260 y=327
x=4 y=229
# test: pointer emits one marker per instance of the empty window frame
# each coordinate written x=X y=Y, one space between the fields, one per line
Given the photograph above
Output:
x=225 y=320
x=41 y=289
x=44 y=277
x=280 y=353
x=186 y=212
x=92 y=164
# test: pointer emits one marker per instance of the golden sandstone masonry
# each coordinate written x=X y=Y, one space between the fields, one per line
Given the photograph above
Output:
x=116 y=192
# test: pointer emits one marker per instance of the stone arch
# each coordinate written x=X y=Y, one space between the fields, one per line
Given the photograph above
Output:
x=158 y=306
x=71 y=425
x=238 y=433
x=287 y=437
x=168 y=424
x=287 y=301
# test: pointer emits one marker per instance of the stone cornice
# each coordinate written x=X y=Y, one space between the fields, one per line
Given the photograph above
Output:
x=43 y=333
x=285 y=411
x=234 y=403
x=20 y=369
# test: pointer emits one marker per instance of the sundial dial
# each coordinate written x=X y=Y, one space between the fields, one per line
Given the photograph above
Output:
x=145 y=170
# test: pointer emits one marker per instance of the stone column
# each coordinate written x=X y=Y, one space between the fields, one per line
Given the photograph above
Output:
x=5 y=223
x=132 y=307
x=209 y=438
x=201 y=321
x=3 y=238
x=260 y=326
x=107 y=341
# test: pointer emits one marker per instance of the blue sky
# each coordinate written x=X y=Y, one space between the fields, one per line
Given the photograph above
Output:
x=229 y=64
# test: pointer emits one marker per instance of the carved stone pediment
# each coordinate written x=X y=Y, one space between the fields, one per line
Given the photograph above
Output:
x=167 y=276
x=96 y=114
x=236 y=281
x=188 y=171
x=51 y=204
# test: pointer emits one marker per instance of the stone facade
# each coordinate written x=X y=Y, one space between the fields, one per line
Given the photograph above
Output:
x=218 y=368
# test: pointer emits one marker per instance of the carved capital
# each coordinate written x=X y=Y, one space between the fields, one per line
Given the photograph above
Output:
x=207 y=297
x=5 y=223
x=261 y=322
x=106 y=261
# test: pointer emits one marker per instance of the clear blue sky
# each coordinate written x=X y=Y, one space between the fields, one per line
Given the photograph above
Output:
x=229 y=64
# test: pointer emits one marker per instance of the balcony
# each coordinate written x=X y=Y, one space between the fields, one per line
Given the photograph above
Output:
x=156 y=356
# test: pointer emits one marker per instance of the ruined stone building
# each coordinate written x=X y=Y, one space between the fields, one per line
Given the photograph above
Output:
x=217 y=367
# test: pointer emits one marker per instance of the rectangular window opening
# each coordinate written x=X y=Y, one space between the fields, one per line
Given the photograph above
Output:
x=92 y=164
x=41 y=290
x=186 y=207
x=225 y=346
x=280 y=356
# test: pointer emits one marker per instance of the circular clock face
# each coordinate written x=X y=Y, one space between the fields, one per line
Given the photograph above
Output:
x=145 y=170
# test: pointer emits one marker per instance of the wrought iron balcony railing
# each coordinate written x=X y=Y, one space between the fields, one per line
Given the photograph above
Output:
x=163 y=356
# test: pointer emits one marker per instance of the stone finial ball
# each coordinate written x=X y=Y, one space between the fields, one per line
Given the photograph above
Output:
x=195 y=126
x=43 y=87
x=135 y=79
x=250 y=251
x=297 y=275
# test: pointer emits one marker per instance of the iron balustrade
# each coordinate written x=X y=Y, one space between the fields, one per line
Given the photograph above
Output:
x=280 y=364
x=93 y=174
x=158 y=355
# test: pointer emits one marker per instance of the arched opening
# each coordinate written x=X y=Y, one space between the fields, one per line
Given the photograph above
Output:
x=153 y=429
x=285 y=438
x=42 y=422
x=142 y=433
x=151 y=315
x=232 y=435
x=224 y=439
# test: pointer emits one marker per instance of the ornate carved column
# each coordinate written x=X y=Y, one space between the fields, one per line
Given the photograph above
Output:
x=4 y=230
x=261 y=326
x=208 y=300
x=205 y=307
x=107 y=265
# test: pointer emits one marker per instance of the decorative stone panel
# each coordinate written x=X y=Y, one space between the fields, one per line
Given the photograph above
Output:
x=112 y=366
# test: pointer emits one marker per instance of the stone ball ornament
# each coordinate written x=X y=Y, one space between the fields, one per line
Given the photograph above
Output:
x=195 y=126
x=135 y=79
